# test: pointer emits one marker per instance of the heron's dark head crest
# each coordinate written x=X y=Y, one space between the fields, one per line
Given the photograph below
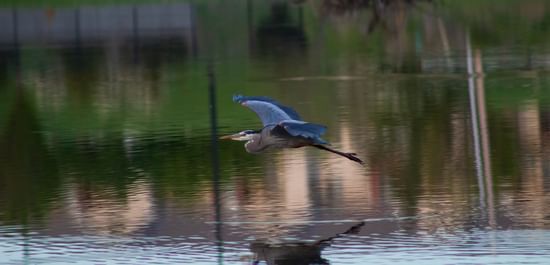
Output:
x=238 y=98
x=250 y=132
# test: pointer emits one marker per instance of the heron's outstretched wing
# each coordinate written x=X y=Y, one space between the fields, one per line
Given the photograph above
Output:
x=304 y=129
x=269 y=110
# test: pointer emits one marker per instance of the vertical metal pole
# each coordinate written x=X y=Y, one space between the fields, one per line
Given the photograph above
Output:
x=26 y=251
x=250 y=24
x=194 y=40
x=135 y=34
x=77 y=33
x=215 y=159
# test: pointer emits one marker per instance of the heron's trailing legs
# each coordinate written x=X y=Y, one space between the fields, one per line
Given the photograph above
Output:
x=350 y=156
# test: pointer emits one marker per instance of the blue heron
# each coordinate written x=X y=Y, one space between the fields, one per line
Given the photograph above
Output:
x=283 y=128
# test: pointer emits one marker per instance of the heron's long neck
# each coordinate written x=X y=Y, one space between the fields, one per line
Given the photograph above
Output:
x=255 y=145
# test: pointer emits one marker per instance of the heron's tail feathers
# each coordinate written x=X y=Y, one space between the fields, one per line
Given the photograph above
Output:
x=350 y=156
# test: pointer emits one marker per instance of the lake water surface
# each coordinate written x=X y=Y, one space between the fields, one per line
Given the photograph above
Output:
x=109 y=150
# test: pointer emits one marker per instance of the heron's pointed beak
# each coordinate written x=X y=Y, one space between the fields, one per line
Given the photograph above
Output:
x=230 y=137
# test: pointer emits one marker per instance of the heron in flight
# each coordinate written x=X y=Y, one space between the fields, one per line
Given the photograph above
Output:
x=283 y=128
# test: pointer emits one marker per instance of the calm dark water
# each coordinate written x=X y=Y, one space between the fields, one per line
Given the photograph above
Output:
x=107 y=153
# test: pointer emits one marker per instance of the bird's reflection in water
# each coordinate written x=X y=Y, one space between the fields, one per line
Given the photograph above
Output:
x=296 y=253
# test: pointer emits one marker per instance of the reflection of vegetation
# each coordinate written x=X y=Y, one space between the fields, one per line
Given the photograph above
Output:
x=9 y=60
x=413 y=139
x=176 y=166
x=82 y=69
x=28 y=175
x=512 y=22
x=152 y=56
x=278 y=35
x=7 y=100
